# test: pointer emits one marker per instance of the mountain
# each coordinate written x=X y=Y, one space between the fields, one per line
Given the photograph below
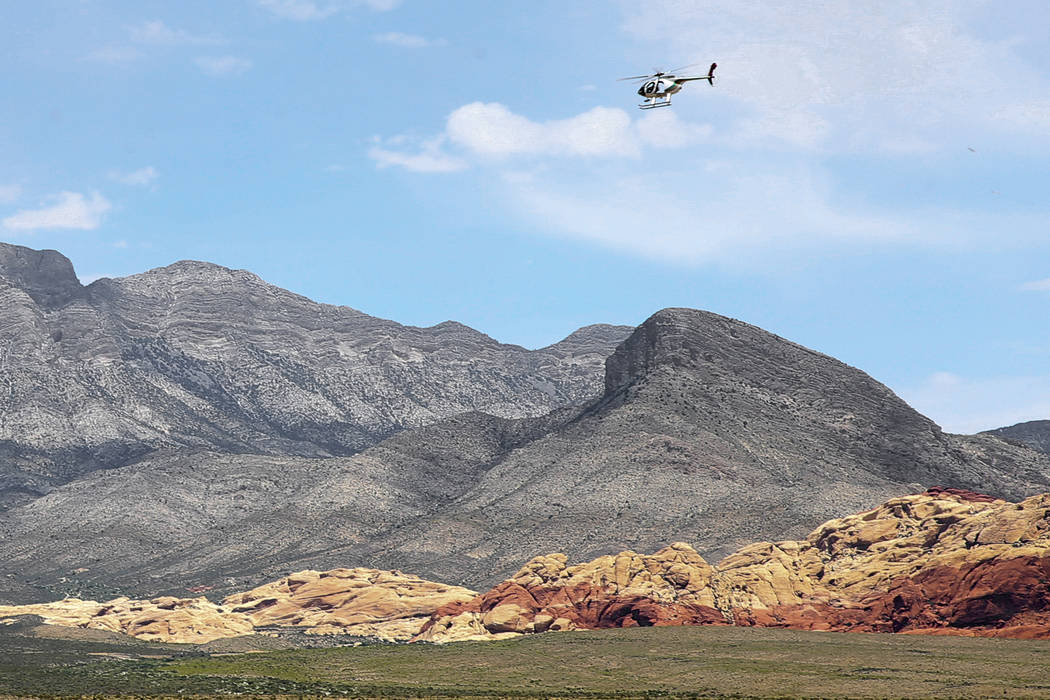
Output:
x=1034 y=434
x=196 y=356
x=713 y=432
x=709 y=431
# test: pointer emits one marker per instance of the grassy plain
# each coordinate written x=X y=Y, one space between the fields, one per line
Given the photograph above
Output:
x=648 y=662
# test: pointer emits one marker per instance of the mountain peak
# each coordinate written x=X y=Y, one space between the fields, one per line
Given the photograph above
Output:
x=678 y=337
x=46 y=276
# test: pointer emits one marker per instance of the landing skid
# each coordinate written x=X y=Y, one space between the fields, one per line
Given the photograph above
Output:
x=654 y=104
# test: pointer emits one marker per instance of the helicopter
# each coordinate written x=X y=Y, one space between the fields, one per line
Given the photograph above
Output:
x=657 y=87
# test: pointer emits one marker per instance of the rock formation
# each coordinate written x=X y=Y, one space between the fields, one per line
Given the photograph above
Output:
x=386 y=605
x=165 y=619
x=944 y=562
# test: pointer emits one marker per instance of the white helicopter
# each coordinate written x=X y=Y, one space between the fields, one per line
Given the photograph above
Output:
x=658 y=87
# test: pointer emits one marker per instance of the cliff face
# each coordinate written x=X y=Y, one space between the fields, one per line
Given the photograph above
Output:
x=944 y=562
x=198 y=356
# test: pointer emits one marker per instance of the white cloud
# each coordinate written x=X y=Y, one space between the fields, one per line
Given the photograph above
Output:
x=723 y=213
x=157 y=33
x=10 y=193
x=969 y=405
x=308 y=10
x=71 y=210
x=222 y=66
x=429 y=159
x=492 y=130
x=663 y=129
x=407 y=41
x=140 y=177
x=490 y=133
x=1037 y=286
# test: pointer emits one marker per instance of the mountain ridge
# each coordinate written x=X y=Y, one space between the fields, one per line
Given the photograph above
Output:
x=195 y=355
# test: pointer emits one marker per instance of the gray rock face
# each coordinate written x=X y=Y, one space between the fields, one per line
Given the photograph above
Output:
x=1034 y=434
x=709 y=431
x=201 y=357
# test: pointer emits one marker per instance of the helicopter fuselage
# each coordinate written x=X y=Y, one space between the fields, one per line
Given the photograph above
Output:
x=663 y=86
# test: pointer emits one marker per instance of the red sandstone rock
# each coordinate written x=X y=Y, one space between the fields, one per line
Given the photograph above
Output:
x=944 y=562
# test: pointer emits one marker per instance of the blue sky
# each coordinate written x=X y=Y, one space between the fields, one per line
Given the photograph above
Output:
x=869 y=179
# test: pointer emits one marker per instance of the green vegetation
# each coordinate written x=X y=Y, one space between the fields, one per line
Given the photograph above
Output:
x=649 y=662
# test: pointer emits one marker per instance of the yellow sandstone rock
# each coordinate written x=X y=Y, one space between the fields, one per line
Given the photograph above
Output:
x=387 y=605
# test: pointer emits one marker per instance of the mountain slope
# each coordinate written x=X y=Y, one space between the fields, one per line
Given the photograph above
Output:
x=1034 y=434
x=198 y=356
x=710 y=431
x=713 y=432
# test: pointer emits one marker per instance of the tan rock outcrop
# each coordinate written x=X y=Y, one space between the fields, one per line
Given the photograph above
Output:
x=181 y=620
x=944 y=562
x=387 y=605
x=670 y=587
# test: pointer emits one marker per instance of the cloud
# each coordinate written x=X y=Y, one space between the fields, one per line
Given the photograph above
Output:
x=140 y=177
x=10 y=193
x=1036 y=286
x=157 y=33
x=222 y=66
x=72 y=210
x=718 y=212
x=407 y=41
x=308 y=10
x=429 y=158
x=489 y=133
x=492 y=130
x=969 y=405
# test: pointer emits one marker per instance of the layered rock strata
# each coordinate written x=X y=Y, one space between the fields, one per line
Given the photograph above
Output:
x=943 y=562
x=387 y=605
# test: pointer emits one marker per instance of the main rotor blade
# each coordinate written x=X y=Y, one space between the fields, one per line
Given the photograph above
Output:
x=691 y=65
x=636 y=77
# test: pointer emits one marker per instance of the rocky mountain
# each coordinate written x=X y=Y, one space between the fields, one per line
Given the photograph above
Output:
x=709 y=431
x=1034 y=434
x=195 y=356
x=712 y=432
x=942 y=562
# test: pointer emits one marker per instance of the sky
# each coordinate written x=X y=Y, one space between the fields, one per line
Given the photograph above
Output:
x=868 y=179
